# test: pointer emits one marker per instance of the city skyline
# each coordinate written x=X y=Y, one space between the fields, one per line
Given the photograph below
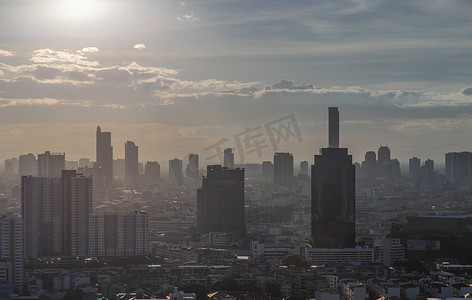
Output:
x=399 y=71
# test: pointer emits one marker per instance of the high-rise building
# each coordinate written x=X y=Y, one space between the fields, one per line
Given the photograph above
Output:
x=27 y=164
x=56 y=213
x=103 y=167
x=303 y=169
x=119 y=234
x=383 y=156
x=119 y=168
x=51 y=164
x=152 y=172
x=228 y=158
x=41 y=210
x=220 y=201
x=12 y=248
x=414 y=167
x=459 y=168
x=333 y=195
x=192 y=167
x=333 y=134
x=131 y=163
x=369 y=165
x=429 y=166
x=176 y=175
x=283 y=169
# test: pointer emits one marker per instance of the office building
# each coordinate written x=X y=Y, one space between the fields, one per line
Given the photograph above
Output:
x=333 y=127
x=220 y=201
x=192 y=167
x=119 y=168
x=131 y=164
x=414 y=167
x=429 y=166
x=383 y=156
x=333 y=196
x=103 y=167
x=152 y=172
x=283 y=169
x=12 y=249
x=303 y=169
x=176 y=175
x=228 y=158
x=369 y=165
x=459 y=168
x=51 y=164
x=27 y=165
x=80 y=200
x=11 y=166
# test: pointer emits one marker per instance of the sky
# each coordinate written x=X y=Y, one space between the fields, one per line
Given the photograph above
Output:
x=180 y=77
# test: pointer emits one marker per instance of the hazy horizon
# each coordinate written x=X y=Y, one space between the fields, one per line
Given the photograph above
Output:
x=176 y=77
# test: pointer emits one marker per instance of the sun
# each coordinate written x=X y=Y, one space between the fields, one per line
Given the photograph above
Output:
x=80 y=8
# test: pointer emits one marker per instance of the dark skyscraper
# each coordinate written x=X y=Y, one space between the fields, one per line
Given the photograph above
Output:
x=131 y=163
x=383 y=156
x=192 y=167
x=429 y=166
x=414 y=167
x=268 y=170
x=220 y=201
x=229 y=158
x=369 y=166
x=103 y=167
x=283 y=169
x=303 y=168
x=176 y=176
x=333 y=195
x=27 y=165
x=459 y=168
x=333 y=127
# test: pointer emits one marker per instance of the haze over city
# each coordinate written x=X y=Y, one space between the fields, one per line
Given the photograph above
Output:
x=177 y=76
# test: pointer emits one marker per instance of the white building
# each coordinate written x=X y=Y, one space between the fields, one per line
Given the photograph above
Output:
x=391 y=251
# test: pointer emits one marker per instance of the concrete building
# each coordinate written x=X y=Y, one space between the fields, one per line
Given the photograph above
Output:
x=192 y=166
x=283 y=169
x=459 y=168
x=103 y=167
x=176 y=176
x=27 y=165
x=131 y=164
x=51 y=164
x=152 y=172
x=333 y=197
x=343 y=255
x=228 y=158
x=12 y=249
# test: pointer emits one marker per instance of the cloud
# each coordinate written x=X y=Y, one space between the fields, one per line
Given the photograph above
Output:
x=6 y=53
x=88 y=50
x=140 y=46
x=467 y=92
x=48 y=56
x=289 y=85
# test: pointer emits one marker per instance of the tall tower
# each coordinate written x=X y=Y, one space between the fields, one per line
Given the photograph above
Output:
x=283 y=169
x=220 y=201
x=229 y=158
x=192 y=167
x=51 y=164
x=333 y=134
x=131 y=163
x=103 y=167
x=176 y=176
x=333 y=193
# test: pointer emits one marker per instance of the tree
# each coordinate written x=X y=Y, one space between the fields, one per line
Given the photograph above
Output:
x=272 y=288
x=200 y=291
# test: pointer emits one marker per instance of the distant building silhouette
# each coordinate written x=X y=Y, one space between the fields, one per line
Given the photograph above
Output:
x=51 y=164
x=283 y=169
x=28 y=165
x=176 y=175
x=12 y=248
x=84 y=162
x=414 y=167
x=229 y=158
x=192 y=167
x=459 y=168
x=429 y=166
x=131 y=164
x=303 y=169
x=152 y=172
x=383 y=156
x=369 y=165
x=103 y=167
x=333 y=194
x=220 y=201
